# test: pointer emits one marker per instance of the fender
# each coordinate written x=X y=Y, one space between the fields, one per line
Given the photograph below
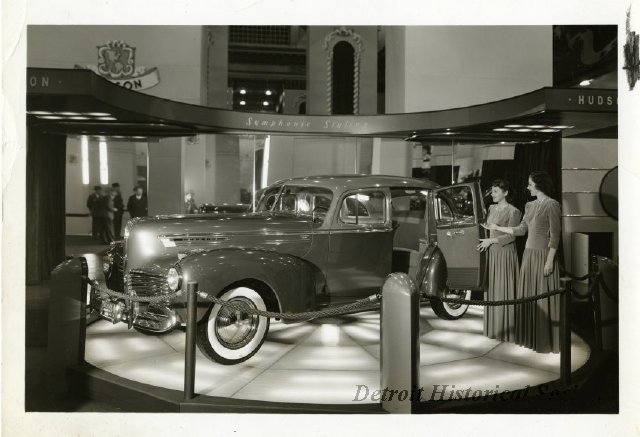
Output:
x=432 y=274
x=293 y=280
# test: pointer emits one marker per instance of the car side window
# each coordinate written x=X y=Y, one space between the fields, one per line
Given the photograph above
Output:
x=367 y=207
x=454 y=205
x=268 y=198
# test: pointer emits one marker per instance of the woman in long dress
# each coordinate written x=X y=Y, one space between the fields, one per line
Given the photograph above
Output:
x=502 y=264
x=537 y=323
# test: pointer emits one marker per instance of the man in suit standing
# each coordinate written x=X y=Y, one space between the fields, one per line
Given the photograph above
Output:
x=105 y=212
x=137 y=204
x=92 y=203
x=118 y=206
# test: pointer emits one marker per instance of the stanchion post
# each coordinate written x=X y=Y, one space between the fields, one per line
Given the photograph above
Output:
x=594 y=288
x=190 y=347
x=399 y=344
x=565 y=333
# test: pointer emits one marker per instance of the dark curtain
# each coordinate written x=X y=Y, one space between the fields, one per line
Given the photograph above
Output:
x=441 y=174
x=342 y=88
x=545 y=156
x=45 y=246
x=493 y=169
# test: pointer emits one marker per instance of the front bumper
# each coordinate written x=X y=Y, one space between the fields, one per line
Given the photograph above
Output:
x=156 y=317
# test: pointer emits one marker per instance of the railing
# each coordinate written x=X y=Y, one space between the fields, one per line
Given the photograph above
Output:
x=400 y=352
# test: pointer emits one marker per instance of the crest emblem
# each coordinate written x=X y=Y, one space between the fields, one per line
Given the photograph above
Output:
x=117 y=63
x=116 y=60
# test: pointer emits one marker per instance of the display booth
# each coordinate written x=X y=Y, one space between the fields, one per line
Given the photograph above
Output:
x=328 y=364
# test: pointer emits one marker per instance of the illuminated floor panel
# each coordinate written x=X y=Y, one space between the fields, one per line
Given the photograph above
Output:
x=327 y=361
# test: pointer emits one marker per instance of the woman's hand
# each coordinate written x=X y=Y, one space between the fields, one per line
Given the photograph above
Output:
x=489 y=226
x=484 y=244
x=548 y=268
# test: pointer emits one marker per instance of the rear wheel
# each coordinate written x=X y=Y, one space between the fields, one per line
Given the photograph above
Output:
x=231 y=335
x=451 y=311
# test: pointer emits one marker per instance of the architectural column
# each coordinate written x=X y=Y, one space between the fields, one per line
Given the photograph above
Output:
x=165 y=177
x=391 y=157
x=215 y=62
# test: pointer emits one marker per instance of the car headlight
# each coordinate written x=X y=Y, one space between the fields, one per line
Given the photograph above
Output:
x=174 y=279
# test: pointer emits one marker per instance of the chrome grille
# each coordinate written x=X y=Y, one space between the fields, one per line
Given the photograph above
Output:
x=147 y=284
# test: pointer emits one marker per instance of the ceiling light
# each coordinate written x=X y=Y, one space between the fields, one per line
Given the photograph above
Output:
x=586 y=82
x=40 y=112
x=549 y=130
x=514 y=125
x=79 y=118
x=98 y=114
x=502 y=142
x=243 y=91
x=561 y=127
x=268 y=92
x=107 y=118
x=448 y=129
x=265 y=103
x=536 y=126
x=69 y=113
x=523 y=130
x=242 y=103
x=501 y=129
x=51 y=117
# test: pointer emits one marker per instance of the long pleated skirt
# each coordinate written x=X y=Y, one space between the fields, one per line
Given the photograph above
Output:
x=538 y=323
x=499 y=321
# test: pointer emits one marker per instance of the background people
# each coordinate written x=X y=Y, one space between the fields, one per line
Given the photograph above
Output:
x=502 y=264
x=104 y=212
x=92 y=205
x=190 y=206
x=137 y=203
x=118 y=205
x=537 y=323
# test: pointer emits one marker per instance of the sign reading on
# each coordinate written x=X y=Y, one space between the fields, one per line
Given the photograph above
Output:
x=116 y=62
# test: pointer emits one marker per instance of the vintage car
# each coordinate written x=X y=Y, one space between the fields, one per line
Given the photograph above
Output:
x=313 y=242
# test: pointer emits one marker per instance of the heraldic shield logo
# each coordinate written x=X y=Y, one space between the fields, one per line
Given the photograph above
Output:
x=116 y=60
x=117 y=63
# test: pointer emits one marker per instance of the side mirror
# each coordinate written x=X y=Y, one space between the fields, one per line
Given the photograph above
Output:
x=319 y=213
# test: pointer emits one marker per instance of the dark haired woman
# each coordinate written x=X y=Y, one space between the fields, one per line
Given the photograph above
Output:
x=537 y=324
x=502 y=264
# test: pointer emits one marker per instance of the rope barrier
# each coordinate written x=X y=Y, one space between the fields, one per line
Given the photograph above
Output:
x=492 y=303
x=574 y=277
x=369 y=302
x=125 y=296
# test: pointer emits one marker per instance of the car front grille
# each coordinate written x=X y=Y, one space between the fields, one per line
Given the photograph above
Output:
x=147 y=284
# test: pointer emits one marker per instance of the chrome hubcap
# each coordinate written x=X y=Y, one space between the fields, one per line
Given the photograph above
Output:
x=234 y=326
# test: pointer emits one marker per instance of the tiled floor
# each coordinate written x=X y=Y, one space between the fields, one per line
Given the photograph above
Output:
x=325 y=360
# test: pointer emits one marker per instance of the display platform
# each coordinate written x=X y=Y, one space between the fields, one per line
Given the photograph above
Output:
x=331 y=361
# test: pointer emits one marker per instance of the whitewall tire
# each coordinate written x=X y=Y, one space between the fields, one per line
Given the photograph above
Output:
x=230 y=336
x=451 y=311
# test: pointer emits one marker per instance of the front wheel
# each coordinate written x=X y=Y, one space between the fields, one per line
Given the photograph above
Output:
x=451 y=311
x=231 y=335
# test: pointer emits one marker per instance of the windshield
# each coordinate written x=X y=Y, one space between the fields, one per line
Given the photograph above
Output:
x=300 y=200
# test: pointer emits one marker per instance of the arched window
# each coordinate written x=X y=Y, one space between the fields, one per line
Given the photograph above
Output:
x=343 y=62
x=344 y=49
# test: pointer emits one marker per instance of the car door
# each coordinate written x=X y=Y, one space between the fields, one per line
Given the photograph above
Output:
x=459 y=210
x=360 y=244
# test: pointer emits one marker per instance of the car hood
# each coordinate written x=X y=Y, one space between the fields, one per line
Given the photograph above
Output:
x=152 y=239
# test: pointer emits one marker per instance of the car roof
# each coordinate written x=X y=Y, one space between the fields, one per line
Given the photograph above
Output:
x=356 y=181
